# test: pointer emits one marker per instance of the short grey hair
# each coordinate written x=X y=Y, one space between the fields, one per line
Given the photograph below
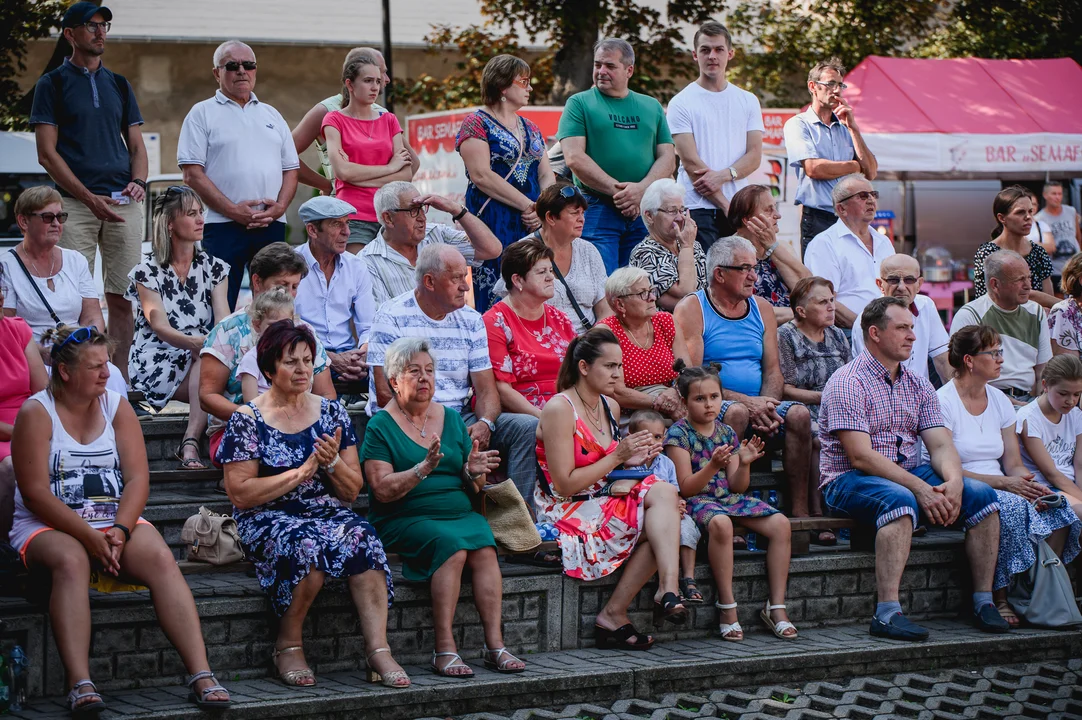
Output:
x=431 y=261
x=225 y=47
x=401 y=351
x=995 y=265
x=627 y=53
x=389 y=196
x=723 y=250
x=656 y=194
x=842 y=188
x=621 y=280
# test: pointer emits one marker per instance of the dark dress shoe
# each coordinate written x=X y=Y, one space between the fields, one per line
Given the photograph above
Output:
x=988 y=620
x=899 y=627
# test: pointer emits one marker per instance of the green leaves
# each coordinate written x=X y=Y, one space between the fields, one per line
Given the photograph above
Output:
x=21 y=20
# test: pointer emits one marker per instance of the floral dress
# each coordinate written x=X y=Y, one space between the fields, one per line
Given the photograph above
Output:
x=157 y=368
x=807 y=364
x=1065 y=324
x=769 y=285
x=526 y=354
x=597 y=533
x=308 y=527
x=504 y=221
x=715 y=499
x=1040 y=266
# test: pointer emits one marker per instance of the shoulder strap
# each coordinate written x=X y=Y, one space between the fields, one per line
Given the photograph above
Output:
x=612 y=421
x=34 y=285
x=122 y=87
x=586 y=324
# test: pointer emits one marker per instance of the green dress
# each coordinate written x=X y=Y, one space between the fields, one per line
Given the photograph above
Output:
x=435 y=519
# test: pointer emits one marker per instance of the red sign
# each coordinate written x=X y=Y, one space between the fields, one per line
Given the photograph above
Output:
x=434 y=131
x=774 y=122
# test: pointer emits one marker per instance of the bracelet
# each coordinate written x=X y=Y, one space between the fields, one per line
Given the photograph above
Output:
x=126 y=531
x=329 y=467
x=417 y=472
x=467 y=474
x=461 y=214
x=140 y=183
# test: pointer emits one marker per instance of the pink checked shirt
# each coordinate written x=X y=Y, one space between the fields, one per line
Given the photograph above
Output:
x=860 y=396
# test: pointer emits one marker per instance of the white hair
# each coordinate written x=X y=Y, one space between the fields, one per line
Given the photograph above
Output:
x=389 y=196
x=995 y=265
x=432 y=260
x=225 y=47
x=657 y=193
x=621 y=280
x=842 y=189
x=723 y=250
x=401 y=351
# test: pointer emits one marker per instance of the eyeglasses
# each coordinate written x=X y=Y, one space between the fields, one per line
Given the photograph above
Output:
x=745 y=269
x=413 y=212
x=674 y=211
x=48 y=218
x=645 y=295
x=993 y=353
x=92 y=27
x=832 y=85
x=908 y=280
x=863 y=195
x=77 y=336
x=522 y=82
x=234 y=65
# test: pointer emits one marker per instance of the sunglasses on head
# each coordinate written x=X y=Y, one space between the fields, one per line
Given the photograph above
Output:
x=569 y=191
x=81 y=335
x=234 y=65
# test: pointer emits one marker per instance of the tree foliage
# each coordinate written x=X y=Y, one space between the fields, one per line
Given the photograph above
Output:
x=20 y=21
x=1009 y=29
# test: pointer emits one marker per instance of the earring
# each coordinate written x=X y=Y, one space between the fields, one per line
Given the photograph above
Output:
x=503 y=98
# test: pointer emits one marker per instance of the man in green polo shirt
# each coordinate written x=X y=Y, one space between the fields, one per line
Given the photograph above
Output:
x=616 y=142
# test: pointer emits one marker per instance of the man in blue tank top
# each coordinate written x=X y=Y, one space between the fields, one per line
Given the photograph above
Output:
x=728 y=324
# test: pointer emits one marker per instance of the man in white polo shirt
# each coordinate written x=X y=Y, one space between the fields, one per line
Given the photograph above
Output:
x=335 y=297
x=238 y=155
x=899 y=276
x=848 y=253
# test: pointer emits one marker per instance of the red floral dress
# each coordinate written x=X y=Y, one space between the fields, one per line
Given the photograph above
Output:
x=526 y=354
x=597 y=534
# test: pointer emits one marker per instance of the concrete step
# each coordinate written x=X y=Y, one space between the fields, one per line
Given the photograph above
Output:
x=591 y=676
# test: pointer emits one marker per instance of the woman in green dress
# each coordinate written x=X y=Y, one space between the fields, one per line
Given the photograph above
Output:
x=422 y=467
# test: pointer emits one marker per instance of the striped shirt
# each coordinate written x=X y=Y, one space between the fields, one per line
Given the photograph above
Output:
x=392 y=274
x=860 y=396
x=459 y=343
x=1023 y=334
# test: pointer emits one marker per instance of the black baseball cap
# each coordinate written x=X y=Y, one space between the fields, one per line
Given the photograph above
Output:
x=81 y=12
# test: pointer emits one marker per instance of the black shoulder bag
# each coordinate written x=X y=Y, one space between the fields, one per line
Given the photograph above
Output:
x=586 y=324
x=33 y=284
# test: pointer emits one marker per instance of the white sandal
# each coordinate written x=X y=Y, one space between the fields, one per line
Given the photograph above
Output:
x=729 y=632
x=778 y=628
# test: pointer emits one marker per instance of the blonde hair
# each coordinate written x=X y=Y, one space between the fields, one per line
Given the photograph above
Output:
x=33 y=199
x=168 y=206
x=68 y=353
x=267 y=302
x=1061 y=368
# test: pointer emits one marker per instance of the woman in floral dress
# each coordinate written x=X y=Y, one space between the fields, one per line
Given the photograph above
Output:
x=179 y=293
x=1065 y=317
x=579 y=446
x=292 y=471
x=506 y=164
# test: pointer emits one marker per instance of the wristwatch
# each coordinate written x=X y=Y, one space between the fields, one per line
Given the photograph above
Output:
x=732 y=171
x=770 y=250
x=489 y=424
x=461 y=214
x=140 y=183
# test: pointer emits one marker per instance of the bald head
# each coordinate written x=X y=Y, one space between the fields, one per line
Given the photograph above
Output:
x=899 y=277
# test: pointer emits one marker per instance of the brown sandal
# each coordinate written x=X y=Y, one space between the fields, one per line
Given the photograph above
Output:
x=1007 y=613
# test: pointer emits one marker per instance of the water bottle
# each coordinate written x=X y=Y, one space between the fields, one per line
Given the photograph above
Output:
x=19 y=665
x=772 y=498
x=757 y=494
x=843 y=535
x=750 y=540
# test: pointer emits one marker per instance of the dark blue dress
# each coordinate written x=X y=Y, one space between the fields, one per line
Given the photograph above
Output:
x=308 y=527
x=504 y=221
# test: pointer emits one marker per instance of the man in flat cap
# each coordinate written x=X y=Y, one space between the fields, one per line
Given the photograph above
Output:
x=335 y=297
x=87 y=128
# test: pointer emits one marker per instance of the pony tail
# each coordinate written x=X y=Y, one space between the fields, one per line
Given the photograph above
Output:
x=997 y=231
x=678 y=366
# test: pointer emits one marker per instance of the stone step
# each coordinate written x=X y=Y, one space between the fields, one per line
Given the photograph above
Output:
x=601 y=677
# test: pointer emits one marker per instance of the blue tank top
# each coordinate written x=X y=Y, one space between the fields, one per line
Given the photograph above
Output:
x=736 y=344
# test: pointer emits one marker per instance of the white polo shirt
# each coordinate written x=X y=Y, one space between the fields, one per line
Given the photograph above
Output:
x=838 y=255
x=244 y=150
x=932 y=339
x=329 y=307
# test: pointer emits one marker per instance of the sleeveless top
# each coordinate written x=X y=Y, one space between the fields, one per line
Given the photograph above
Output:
x=736 y=343
x=86 y=478
x=587 y=451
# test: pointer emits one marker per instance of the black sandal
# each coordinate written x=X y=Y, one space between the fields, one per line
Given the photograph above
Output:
x=690 y=591
x=620 y=638
x=189 y=463
x=739 y=543
x=671 y=609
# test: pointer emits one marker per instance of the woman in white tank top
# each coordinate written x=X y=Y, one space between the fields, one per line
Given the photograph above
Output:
x=78 y=503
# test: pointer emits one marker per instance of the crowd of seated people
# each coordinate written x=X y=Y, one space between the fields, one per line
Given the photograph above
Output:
x=626 y=404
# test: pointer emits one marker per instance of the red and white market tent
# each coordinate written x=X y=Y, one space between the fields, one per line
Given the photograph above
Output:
x=969 y=116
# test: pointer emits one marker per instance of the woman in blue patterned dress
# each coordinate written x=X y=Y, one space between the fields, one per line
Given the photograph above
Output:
x=506 y=164
x=292 y=472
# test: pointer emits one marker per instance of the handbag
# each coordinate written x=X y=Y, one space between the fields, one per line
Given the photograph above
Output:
x=1043 y=594
x=506 y=512
x=212 y=538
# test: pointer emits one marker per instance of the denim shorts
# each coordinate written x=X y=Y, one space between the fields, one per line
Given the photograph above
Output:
x=782 y=409
x=872 y=500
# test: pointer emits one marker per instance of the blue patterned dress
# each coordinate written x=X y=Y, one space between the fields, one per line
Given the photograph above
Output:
x=504 y=221
x=308 y=527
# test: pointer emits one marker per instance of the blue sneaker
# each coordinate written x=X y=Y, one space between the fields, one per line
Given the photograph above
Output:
x=899 y=627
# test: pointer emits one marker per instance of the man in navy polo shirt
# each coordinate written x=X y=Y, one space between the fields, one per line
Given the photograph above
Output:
x=237 y=153
x=87 y=126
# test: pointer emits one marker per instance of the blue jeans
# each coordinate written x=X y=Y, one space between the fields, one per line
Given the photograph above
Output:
x=782 y=410
x=872 y=500
x=515 y=438
x=614 y=235
x=234 y=244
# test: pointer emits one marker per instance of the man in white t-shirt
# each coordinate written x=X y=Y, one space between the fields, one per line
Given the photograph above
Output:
x=899 y=276
x=1062 y=221
x=718 y=131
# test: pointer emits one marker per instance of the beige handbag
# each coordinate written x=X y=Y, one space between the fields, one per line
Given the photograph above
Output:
x=507 y=515
x=212 y=538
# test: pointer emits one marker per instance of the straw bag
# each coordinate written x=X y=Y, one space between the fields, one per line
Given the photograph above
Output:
x=507 y=515
x=212 y=538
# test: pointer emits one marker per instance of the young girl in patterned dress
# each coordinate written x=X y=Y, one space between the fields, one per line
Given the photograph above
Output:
x=714 y=471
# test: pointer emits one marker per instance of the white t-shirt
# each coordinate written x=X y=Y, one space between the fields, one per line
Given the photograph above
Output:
x=932 y=339
x=71 y=284
x=249 y=365
x=1060 y=439
x=720 y=123
x=978 y=438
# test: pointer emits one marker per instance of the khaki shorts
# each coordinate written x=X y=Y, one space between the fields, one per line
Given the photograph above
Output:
x=120 y=243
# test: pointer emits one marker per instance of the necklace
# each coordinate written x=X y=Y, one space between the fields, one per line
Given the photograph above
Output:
x=539 y=334
x=649 y=336
x=592 y=412
x=421 y=429
x=516 y=132
x=52 y=263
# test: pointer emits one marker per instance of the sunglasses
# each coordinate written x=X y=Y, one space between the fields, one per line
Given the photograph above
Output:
x=78 y=336
x=863 y=195
x=569 y=191
x=234 y=65
x=522 y=82
x=48 y=218
x=894 y=280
